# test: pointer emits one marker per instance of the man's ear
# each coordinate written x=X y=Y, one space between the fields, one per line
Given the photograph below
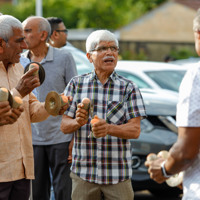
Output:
x=44 y=35
x=89 y=57
x=55 y=34
x=1 y=45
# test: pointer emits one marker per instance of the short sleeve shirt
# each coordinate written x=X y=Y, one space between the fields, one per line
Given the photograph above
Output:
x=188 y=115
x=105 y=160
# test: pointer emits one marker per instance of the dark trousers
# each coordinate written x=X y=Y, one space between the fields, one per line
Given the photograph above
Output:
x=55 y=158
x=15 y=190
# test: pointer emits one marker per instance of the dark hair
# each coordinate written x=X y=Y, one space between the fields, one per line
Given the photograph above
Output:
x=54 y=22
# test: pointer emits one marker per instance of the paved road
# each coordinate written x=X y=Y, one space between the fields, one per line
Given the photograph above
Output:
x=145 y=195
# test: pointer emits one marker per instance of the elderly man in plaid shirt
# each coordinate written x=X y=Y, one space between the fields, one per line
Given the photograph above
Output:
x=101 y=164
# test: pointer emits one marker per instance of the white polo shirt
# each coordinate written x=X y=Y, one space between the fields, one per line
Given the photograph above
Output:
x=188 y=115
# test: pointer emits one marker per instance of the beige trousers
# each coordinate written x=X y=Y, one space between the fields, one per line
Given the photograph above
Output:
x=83 y=190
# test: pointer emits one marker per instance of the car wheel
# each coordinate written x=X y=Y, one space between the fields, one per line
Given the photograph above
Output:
x=171 y=192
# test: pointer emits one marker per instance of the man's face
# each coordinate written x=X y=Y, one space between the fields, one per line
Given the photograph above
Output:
x=62 y=35
x=197 y=41
x=31 y=33
x=104 y=58
x=14 y=47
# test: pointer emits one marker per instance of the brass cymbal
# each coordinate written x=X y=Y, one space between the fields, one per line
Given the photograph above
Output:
x=53 y=103
x=41 y=72
x=10 y=98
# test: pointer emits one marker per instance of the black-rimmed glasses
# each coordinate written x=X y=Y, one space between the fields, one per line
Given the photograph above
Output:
x=64 y=31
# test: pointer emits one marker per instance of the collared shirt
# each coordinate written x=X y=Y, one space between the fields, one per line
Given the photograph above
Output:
x=105 y=160
x=188 y=115
x=16 y=151
x=59 y=67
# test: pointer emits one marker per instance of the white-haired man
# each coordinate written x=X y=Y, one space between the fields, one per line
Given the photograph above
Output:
x=16 y=151
x=101 y=165
x=184 y=154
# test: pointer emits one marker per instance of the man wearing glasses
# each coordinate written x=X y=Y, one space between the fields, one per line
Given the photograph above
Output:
x=101 y=163
x=59 y=32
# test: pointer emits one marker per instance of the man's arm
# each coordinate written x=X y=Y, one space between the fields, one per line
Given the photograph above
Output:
x=181 y=155
x=69 y=125
x=184 y=151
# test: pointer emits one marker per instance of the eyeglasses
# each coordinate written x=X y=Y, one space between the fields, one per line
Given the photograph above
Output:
x=64 y=31
x=103 y=49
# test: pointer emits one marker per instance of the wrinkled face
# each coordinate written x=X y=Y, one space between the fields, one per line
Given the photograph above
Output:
x=31 y=33
x=197 y=41
x=14 y=47
x=104 y=57
x=62 y=35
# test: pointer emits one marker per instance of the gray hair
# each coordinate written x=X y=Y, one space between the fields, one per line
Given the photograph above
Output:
x=7 y=24
x=43 y=25
x=97 y=36
x=196 y=23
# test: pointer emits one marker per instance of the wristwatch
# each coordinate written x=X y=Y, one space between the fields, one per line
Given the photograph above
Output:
x=164 y=171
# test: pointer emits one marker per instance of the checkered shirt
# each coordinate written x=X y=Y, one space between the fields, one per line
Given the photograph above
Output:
x=105 y=160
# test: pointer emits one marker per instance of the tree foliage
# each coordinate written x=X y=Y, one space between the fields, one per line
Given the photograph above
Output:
x=110 y=14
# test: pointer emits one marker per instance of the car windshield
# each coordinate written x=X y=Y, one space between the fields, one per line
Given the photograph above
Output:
x=167 y=79
x=137 y=80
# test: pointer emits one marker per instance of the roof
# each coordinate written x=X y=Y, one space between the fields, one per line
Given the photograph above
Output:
x=170 y=22
x=194 y=4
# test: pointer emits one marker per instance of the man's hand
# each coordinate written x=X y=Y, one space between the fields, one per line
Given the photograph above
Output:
x=155 y=170
x=28 y=82
x=81 y=114
x=11 y=116
x=70 y=150
x=65 y=107
x=4 y=108
x=100 y=128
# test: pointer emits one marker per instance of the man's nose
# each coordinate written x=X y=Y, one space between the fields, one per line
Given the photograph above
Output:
x=24 y=45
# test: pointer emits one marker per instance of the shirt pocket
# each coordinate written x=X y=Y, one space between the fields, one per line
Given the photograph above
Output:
x=116 y=112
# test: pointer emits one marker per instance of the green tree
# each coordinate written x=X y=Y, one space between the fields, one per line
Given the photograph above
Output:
x=110 y=14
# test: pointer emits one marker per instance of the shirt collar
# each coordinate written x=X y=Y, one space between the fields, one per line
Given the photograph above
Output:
x=112 y=77
x=49 y=56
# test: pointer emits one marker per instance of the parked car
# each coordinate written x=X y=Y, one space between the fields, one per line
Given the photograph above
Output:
x=158 y=130
x=187 y=61
x=82 y=63
x=154 y=75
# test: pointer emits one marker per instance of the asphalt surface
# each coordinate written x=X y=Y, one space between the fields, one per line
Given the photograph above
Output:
x=145 y=195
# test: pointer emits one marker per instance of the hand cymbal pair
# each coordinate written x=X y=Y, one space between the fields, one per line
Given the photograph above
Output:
x=174 y=180
x=14 y=101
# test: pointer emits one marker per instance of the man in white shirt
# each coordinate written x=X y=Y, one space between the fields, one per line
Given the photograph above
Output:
x=184 y=154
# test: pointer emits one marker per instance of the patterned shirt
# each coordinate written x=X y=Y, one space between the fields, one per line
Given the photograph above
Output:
x=105 y=160
x=188 y=115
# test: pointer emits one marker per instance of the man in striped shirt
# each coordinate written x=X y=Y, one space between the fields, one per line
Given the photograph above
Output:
x=101 y=164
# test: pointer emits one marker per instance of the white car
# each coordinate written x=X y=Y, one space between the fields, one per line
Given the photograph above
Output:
x=152 y=75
